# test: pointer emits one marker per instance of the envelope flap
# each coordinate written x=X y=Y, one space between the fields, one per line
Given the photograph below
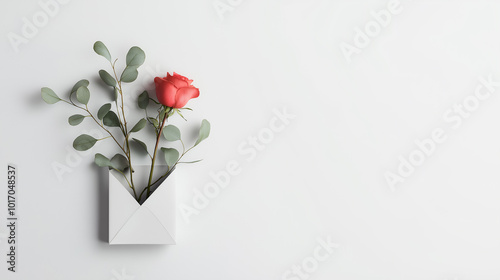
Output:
x=122 y=205
x=162 y=204
x=143 y=228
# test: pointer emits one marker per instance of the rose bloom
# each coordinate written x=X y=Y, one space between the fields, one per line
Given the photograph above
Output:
x=175 y=90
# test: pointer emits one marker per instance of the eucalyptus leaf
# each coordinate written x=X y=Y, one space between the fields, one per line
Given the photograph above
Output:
x=111 y=119
x=139 y=125
x=143 y=100
x=80 y=83
x=103 y=110
x=171 y=133
x=101 y=160
x=135 y=57
x=107 y=78
x=142 y=144
x=83 y=95
x=101 y=49
x=180 y=114
x=84 y=142
x=204 y=131
x=49 y=96
x=129 y=74
x=76 y=119
x=117 y=94
x=119 y=162
x=171 y=156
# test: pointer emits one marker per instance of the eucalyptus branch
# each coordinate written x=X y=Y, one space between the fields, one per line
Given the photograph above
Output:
x=125 y=131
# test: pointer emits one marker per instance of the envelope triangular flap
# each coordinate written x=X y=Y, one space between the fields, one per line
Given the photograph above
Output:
x=153 y=222
x=121 y=205
x=143 y=228
x=162 y=204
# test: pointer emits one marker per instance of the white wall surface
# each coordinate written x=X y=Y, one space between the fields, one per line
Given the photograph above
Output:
x=322 y=176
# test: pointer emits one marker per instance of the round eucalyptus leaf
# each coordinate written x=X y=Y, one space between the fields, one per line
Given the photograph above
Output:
x=135 y=57
x=84 y=142
x=171 y=156
x=111 y=119
x=204 y=131
x=107 y=78
x=129 y=74
x=139 y=125
x=101 y=160
x=76 y=119
x=101 y=49
x=119 y=162
x=171 y=133
x=80 y=83
x=142 y=144
x=49 y=96
x=83 y=95
x=143 y=100
x=103 y=110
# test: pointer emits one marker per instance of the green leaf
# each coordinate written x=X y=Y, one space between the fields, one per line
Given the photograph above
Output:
x=142 y=144
x=103 y=110
x=171 y=156
x=135 y=57
x=171 y=133
x=101 y=49
x=204 y=131
x=111 y=119
x=107 y=78
x=143 y=100
x=139 y=125
x=80 y=83
x=49 y=96
x=76 y=119
x=129 y=74
x=117 y=94
x=179 y=112
x=154 y=122
x=119 y=162
x=84 y=142
x=83 y=95
x=101 y=160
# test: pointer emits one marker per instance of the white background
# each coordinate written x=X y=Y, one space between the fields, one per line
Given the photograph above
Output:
x=322 y=176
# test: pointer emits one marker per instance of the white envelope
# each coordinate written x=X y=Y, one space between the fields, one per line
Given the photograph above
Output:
x=153 y=222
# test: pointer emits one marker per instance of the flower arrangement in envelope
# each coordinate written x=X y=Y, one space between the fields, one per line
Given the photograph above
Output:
x=141 y=197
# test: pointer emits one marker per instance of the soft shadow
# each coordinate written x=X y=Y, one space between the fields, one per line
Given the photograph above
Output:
x=103 y=204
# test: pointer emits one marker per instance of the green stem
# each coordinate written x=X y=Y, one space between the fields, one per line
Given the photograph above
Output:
x=158 y=137
x=125 y=131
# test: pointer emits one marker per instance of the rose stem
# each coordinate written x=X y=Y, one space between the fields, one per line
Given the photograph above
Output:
x=154 y=154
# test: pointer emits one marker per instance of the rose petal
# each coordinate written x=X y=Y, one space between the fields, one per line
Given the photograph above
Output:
x=165 y=92
x=184 y=95
x=188 y=81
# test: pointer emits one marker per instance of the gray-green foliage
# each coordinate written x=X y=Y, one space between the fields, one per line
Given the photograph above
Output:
x=49 y=96
x=84 y=142
x=76 y=119
x=102 y=50
x=171 y=156
x=204 y=132
x=171 y=133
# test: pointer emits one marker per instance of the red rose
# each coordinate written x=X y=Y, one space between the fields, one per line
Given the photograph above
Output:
x=175 y=90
